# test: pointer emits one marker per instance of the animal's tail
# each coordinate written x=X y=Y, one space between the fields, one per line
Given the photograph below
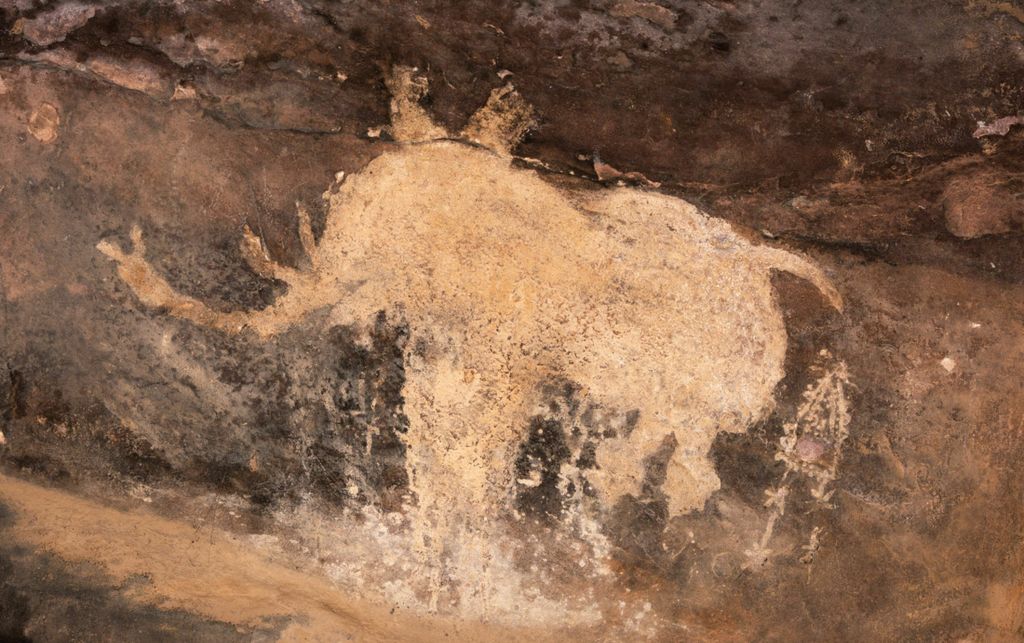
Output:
x=799 y=266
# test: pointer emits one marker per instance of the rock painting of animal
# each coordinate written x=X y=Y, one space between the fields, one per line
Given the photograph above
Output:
x=507 y=281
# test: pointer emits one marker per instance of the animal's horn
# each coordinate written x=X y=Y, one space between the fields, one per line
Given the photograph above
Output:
x=502 y=122
x=409 y=121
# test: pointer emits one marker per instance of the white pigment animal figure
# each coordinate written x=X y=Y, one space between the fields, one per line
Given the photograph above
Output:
x=507 y=281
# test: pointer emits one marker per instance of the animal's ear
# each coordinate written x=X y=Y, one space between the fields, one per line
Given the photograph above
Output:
x=410 y=123
x=502 y=122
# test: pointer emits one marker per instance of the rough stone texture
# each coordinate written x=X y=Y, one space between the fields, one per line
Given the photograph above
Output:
x=980 y=204
x=842 y=132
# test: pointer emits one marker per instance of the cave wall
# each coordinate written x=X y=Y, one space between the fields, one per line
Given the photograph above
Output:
x=876 y=139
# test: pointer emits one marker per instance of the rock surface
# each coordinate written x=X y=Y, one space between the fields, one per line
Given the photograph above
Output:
x=981 y=204
x=165 y=478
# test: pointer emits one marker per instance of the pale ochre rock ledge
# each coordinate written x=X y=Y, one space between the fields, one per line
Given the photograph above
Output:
x=216 y=576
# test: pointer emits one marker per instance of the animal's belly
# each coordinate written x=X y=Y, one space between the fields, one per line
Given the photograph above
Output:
x=677 y=358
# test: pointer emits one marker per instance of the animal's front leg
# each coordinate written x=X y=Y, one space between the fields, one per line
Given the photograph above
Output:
x=690 y=479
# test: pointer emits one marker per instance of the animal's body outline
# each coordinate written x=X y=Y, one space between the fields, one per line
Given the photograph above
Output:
x=556 y=284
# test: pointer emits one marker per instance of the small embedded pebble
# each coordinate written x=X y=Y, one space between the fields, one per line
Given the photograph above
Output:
x=44 y=122
x=810 y=449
